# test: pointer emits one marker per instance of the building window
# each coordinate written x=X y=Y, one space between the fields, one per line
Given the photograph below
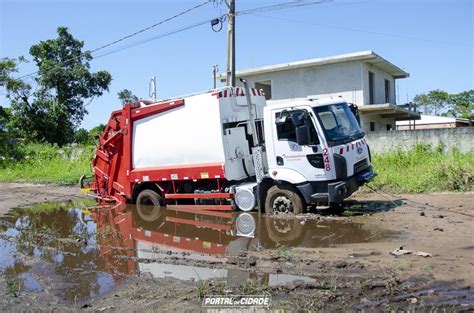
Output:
x=371 y=87
x=266 y=87
x=372 y=126
x=387 y=91
x=389 y=127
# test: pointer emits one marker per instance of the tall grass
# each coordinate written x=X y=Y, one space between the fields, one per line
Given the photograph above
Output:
x=44 y=163
x=421 y=169
x=424 y=169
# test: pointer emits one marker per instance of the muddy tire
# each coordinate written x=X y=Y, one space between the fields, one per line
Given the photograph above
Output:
x=283 y=199
x=149 y=205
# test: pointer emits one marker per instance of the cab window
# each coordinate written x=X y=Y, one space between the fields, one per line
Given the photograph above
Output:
x=286 y=128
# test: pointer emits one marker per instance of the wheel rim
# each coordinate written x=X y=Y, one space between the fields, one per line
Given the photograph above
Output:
x=282 y=204
x=282 y=226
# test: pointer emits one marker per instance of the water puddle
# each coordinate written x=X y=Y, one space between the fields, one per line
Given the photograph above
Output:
x=77 y=253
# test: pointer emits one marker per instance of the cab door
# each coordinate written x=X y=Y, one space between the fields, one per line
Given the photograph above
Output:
x=294 y=162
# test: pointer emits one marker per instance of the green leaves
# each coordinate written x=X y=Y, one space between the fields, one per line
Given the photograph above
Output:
x=433 y=102
x=440 y=102
x=126 y=96
x=64 y=82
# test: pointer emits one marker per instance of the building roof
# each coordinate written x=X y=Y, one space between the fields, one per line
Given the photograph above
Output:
x=366 y=56
x=433 y=119
x=389 y=110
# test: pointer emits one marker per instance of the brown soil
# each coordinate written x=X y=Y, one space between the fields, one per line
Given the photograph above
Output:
x=348 y=268
x=18 y=195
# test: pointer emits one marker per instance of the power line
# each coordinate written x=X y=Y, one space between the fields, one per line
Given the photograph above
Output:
x=128 y=36
x=357 y=30
x=150 y=27
x=155 y=38
x=281 y=6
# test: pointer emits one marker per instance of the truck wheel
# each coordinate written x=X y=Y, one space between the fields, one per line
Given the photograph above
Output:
x=149 y=205
x=282 y=199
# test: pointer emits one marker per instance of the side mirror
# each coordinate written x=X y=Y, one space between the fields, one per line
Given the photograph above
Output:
x=302 y=135
x=297 y=118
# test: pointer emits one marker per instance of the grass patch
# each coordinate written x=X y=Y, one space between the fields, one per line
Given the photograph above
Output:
x=424 y=169
x=44 y=163
x=201 y=288
x=420 y=169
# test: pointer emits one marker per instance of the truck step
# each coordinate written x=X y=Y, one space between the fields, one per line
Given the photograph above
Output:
x=198 y=196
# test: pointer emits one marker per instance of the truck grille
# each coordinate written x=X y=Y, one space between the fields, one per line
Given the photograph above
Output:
x=360 y=166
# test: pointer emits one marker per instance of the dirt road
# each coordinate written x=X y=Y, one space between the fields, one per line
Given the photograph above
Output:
x=123 y=259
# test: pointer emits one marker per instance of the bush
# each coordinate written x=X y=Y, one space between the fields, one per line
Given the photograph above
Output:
x=44 y=163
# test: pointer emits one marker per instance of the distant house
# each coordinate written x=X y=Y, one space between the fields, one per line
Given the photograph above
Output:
x=362 y=78
x=431 y=121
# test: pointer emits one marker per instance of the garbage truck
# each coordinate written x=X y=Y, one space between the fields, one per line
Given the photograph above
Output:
x=226 y=149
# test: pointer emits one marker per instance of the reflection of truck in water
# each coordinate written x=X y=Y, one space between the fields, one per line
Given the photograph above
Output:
x=134 y=240
x=227 y=148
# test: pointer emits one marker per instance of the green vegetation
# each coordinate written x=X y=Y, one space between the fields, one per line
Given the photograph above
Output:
x=424 y=169
x=50 y=105
x=439 y=102
x=44 y=163
x=421 y=169
x=201 y=288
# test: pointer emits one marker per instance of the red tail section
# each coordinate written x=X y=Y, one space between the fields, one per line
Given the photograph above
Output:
x=112 y=163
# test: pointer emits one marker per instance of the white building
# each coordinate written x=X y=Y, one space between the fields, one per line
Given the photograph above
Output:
x=363 y=78
x=431 y=121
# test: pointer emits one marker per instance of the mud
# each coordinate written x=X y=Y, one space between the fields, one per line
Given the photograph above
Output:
x=17 y=195
x=123 y=258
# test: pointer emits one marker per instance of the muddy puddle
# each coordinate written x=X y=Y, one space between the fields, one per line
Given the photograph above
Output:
x=81 y=253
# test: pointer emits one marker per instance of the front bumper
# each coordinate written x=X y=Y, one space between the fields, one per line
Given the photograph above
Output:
x=335 y=192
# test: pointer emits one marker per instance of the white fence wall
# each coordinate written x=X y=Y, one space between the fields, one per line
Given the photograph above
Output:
x=384 y=141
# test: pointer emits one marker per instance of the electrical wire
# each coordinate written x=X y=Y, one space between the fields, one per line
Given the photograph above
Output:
x=281 y=6
x=150 y=27
x=357 y=30
x=154 y=38
x=127 y=36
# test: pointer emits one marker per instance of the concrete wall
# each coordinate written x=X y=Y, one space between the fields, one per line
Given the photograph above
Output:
x=379 y=85
x=383 y=141
x=380 y=122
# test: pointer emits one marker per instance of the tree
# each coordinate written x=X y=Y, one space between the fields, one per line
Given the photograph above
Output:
x=126 y=96
x=64 y=81
x=462 y=105
x=4 y=118
x=96 y=131
x=81 y=136
x=433 y=102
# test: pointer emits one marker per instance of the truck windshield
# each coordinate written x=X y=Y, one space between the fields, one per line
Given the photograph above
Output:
x=339 y=124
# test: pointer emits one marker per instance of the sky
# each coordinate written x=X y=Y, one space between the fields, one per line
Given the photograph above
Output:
x=433 y=40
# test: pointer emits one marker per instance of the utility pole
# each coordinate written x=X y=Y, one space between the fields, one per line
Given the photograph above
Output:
x=231 y=43
x=215 y=69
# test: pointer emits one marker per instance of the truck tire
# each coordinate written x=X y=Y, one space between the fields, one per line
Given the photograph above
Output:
x=283 y=199
x=149 y=205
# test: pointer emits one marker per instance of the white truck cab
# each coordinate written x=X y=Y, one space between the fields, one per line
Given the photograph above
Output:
x=316 y=154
